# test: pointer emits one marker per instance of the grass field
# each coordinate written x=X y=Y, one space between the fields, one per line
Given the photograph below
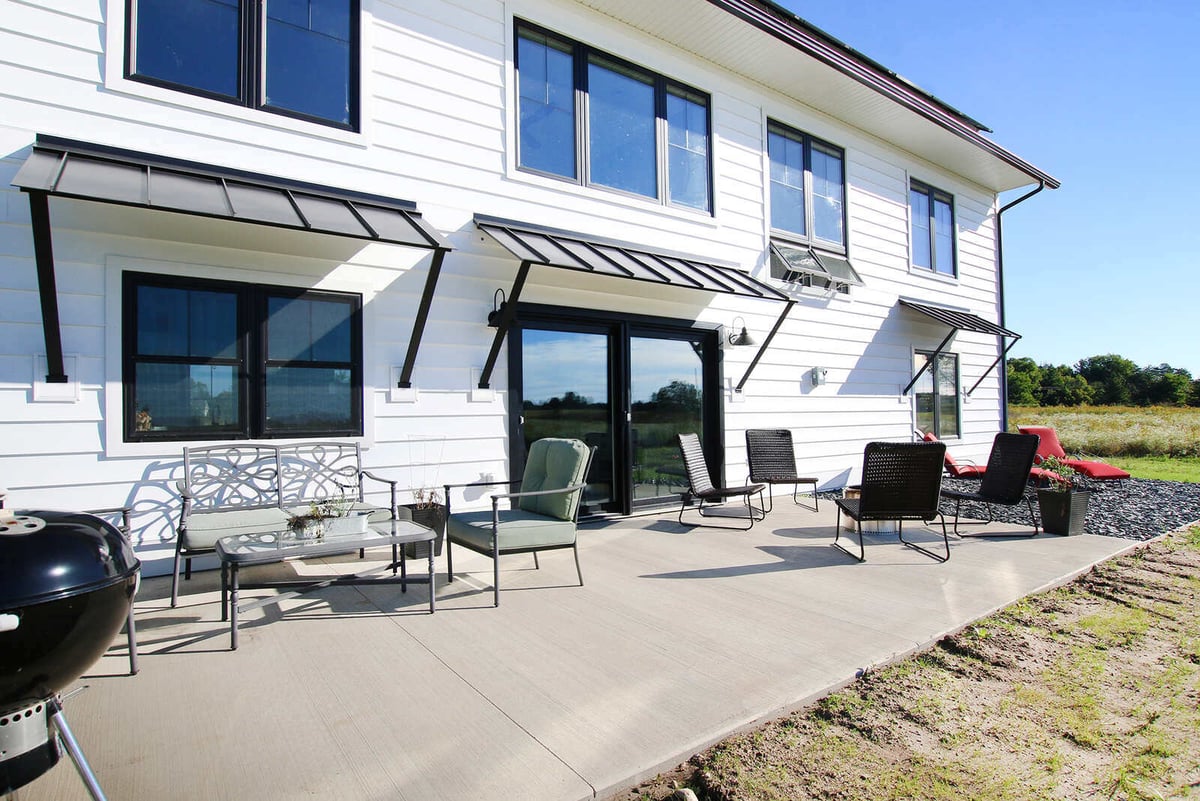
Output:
x=1159 y=442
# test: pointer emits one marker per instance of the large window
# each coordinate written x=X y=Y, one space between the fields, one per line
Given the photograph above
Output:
x=591 y=118
x=294 y=57
x=221 y=360
x=808 y=187
x=932 y=214
x=936 y=392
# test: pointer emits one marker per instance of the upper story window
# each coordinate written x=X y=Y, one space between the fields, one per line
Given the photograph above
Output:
x=808 y=187
x=292 y=57
x=223 y=360
x=932 y=214
x=591 y=118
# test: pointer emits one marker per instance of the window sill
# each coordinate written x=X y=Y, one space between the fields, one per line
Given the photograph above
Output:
x=921 y=272
x=612 y=197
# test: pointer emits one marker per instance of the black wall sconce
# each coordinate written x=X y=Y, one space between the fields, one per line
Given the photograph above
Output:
x=742 y=338
x=498 y=300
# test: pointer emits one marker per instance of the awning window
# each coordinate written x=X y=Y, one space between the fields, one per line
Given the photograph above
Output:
x=810 y=267
x=959 y=321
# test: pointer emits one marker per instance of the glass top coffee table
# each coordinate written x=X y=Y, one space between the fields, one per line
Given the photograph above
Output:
x=277 y=546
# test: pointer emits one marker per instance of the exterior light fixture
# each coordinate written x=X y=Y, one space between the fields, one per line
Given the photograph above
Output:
x=498 y=300
x=818 y=376
x=742 y=338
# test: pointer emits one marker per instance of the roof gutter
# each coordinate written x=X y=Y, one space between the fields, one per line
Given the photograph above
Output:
x=1000 y=286
x=790 y=29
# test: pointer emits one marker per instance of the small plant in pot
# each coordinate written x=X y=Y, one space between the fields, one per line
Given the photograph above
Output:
x=428 y=510
x=1063 y=506
x=313 y=523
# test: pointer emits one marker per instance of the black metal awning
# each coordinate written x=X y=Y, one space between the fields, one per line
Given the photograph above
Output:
x=573 y=251
x=959 y=321
x=84 y=171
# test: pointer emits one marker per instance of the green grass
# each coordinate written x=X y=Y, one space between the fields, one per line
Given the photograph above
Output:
x=1162 y=468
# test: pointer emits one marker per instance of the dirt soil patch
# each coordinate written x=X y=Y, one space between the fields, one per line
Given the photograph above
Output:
x=1088 y=691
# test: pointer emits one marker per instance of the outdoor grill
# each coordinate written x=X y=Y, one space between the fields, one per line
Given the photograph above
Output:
x=67 y=580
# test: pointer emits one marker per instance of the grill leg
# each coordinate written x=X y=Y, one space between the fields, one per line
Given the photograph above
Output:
x=59 y=723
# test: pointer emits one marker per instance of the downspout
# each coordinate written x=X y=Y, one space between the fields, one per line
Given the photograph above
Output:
x=1000 y=281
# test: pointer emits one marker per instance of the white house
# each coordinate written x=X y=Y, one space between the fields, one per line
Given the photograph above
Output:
x=445 y=228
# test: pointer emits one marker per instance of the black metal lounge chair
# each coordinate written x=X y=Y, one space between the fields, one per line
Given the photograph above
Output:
x=773 y=461
x=700 y=486
x=1004 y=481
x=900 y=481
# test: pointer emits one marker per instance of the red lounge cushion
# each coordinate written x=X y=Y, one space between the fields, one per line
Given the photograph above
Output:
x=1097 y=470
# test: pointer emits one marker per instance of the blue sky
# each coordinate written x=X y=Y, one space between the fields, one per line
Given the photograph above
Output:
x=1104 y=96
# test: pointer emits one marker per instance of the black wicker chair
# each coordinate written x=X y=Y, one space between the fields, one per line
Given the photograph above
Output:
x=900 y=481
x=773 y=461
x=1004 y=481
x=700 y=486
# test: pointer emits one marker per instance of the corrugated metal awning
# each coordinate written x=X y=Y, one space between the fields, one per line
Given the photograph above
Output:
x=66 y=168
x=960 y=320
x=573 y=251
x=84 y=171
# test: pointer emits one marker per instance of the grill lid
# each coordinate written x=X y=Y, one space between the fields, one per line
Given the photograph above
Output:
x=48 y=555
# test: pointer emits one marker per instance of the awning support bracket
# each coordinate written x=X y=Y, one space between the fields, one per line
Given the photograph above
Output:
x=763 y=347
x=999 y=358
x=418 y=329
x=507 y=312
x=43 y=254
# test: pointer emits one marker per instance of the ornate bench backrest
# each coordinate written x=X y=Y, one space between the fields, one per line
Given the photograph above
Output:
x=319 y=471
x=232 y=476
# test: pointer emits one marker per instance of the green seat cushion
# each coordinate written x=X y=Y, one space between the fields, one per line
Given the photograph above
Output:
x=519 y=530
x=205 y=528
x=554 y=464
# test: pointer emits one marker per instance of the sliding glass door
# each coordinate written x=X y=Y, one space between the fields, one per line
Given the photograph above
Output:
x=626 y=386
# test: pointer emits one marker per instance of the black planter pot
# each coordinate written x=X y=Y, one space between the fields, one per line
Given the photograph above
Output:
x=1063 y=512
x=431 y=516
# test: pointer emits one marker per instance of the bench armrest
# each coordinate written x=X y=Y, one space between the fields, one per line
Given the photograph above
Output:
x=391 y=486
x=496 y=498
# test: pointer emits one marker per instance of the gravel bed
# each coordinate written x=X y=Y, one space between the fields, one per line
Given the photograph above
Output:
x=1133 y=509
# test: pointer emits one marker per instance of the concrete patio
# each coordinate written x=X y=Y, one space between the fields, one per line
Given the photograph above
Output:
x=681 y=637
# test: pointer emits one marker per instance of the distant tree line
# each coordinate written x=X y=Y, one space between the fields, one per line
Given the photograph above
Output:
x=1100 y=381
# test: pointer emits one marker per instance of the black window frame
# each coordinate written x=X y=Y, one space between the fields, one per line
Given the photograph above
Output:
x=582 y=56
x=251 y=362
x=938 y=428
x=809 y=237
x=251 y=70
x=932 y=195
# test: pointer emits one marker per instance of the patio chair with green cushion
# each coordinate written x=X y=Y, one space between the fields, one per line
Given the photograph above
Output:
x=1004 y=481
x=900 y=481
x=1050 y=446
x=701 y=488
x=544 y=514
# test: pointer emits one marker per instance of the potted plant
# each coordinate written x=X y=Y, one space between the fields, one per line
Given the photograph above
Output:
x=427 y=510
x=330 y=516
x=1062 y=505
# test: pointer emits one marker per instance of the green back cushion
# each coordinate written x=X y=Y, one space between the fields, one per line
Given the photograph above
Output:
x=554 y=464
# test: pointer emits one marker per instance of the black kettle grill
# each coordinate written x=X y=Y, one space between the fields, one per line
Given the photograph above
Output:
x=67 y=580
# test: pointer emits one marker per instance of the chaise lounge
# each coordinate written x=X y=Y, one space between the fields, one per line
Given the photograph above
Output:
x=1050 y=446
